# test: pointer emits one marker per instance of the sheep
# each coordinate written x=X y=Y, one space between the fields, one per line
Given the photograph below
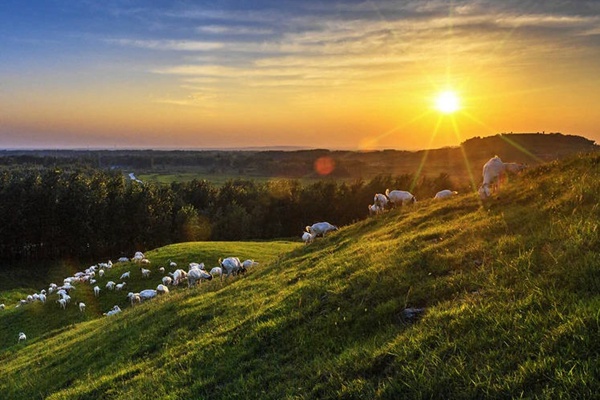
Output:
x=62 y=303
x=195 y=265
x=113 y=311
x=167 y=280
x=492 y=172
x=81 y=305
x=145 y=273
x=139 y=256
x=96 y=291
x=42 y=298
x=22 y=337
x=444 y=194
x=123 y=259
x=148 y=294
x=380 y=200
x=2 y=306
x=321 y=228
x=514 y=168
x=125 y=275
x=172 y=264
x=195 y=274
x=162 y=289
x=110 y=285
x=161 y=270
x=134 y=298
x=119 y=286
x=375 y=209
x=232 y=266
x=217 y=271
x=400 y=197
x=101 y=273
x=308 y=237
x=178 y=275
x=249 y=263
x=145 y=261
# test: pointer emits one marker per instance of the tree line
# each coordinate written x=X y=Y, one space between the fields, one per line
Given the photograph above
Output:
x=78 y=211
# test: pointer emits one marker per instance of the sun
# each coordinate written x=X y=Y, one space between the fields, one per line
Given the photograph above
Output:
x=447 y=102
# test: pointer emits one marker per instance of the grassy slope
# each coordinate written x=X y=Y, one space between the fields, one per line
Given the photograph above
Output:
x=511 y=291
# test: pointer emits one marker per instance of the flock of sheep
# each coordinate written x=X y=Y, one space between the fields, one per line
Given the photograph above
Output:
x=196 y=273
x=493 y=172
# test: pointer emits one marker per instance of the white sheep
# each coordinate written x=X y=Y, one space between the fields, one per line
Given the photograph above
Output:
x=101 y=273
x=232 y=266
x=195 y=274
x=321 y=228
x=110 y=285
x=380 y=200
x=493 y=171
x=113 y=311
x=195 y=265
x=161 y=270
x=96 y=291
x=162 y=289
x=120 y=286
x=178 y=275
x=148 y=294
x=444 y=194
x=167 y=280
x=249 y=263
x=145 y=273
x=400 y=197
x=123 y=259
x=134 y=298
x=217 y=271
x=125 y=275
x=81 y=306
x=145 y=261
x=139 y=256
x=172 y=264
x=62 y=303
x=2 y=306
x=375 y=209
x=42 y=298
x=308 y=237
x=22 y=337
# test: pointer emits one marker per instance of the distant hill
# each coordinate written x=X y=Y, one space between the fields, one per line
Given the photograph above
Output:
x=456 y=299
x=460 y=162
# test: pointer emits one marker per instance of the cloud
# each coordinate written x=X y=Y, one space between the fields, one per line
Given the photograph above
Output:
x=176 y=45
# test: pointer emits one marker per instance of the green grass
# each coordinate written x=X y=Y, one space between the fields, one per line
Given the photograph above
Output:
x=510 y=289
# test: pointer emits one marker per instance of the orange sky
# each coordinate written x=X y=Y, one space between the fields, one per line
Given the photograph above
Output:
x=340 y=75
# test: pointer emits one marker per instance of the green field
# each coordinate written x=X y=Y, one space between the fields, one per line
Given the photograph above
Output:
x=508 y=288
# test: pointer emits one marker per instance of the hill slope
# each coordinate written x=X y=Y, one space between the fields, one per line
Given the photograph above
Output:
x=509 y=288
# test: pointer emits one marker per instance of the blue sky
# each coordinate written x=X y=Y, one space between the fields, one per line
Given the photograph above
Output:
x=339 y=74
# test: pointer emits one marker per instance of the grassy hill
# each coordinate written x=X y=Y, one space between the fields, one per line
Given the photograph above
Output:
x=509 y=290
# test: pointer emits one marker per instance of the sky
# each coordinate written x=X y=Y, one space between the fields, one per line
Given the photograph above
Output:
x=354 y=75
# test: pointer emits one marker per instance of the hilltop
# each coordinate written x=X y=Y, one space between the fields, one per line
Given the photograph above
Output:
x=507 y=289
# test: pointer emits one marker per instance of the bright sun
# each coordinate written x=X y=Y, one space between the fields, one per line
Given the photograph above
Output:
x=447 y=102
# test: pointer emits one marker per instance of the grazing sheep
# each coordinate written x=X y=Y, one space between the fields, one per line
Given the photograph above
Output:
x=232 y=266
x=110 y=285
x=120 y=286
x=374 y=209
x=134 y=298
x=148 y=294
x=161 y=270
x=492 y=173
x=195 y=265
x=123 y=259
x=101 y=273
x=172 y=264
x=444 y=194
x=81 y=306
x=380 y=200
x=125 y=275
x=96 y=291
x=162 y=289
x=514 y=168
x=249 y=263
x=145 y=261
x=2 y=306
x=145 y=273
x=42 y=298
x=178 y=275
x=167 y=280
x=217 y=271
x=321 y=228
x=21 y=337
x=308 y=237
x=195 y=274
x=139 y=256
x=113 y=311
x=62 y=303
x=400 y=197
